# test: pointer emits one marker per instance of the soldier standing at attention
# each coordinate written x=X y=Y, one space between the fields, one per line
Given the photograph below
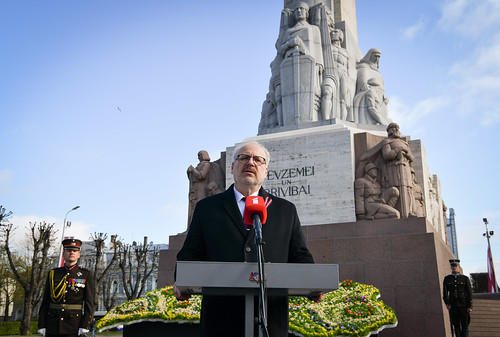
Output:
x=457 y=295
x=68 y=290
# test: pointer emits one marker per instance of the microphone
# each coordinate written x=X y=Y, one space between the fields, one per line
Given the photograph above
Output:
x=254 y=207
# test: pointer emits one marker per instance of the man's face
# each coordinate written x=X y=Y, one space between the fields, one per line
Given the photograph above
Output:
x=249 y=173
x=375 y=57
x=393 y=132
x=300 y=13
x=455 y=269
x=71 y=256
x=373 y=172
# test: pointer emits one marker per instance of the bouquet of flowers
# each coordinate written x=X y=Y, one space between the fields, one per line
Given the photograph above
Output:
x=352 y=310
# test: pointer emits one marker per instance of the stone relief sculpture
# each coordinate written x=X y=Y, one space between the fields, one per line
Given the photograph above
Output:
x=371 y=201
x=311 y=75
x=335 y=100
x=301 y=69
x=393 y=157
x=207 y=178
x=370 y=102
x=418 y=194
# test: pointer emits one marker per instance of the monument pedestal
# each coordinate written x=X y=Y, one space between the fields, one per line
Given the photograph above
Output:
x=404 y=258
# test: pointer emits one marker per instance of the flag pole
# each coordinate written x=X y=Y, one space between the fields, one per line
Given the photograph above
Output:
x=492 y=283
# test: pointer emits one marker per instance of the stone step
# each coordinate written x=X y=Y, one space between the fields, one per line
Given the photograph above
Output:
x=485 y=320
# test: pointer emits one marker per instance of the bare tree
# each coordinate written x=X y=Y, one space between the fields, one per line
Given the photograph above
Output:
x=109 y=289
x=41 y=237
x=100 y=272
x=136 y=263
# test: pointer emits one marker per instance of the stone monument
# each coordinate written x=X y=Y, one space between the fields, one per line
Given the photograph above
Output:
x=365 y=196
x=315 y=76
x=207 y=178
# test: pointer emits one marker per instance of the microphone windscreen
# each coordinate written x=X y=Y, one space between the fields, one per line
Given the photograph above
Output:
x=254 y=205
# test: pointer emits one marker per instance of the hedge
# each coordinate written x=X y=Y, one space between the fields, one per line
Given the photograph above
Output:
x=12 y=328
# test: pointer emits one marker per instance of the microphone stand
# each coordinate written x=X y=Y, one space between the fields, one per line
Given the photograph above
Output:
x=259 y=243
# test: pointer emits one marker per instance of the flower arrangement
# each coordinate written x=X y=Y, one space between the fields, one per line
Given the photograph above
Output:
x=351 y=310
x=156 y=305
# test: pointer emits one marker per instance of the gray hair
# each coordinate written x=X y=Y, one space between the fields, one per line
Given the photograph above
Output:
x=263 y=148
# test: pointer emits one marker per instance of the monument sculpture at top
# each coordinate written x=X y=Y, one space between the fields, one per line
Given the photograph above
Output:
x=370 y=102
x=319 y=74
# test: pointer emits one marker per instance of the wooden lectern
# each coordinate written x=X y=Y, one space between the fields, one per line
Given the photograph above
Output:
x=241 y=279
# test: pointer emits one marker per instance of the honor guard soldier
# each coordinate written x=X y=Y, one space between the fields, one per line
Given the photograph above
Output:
x=457 y=295
x=68 y=302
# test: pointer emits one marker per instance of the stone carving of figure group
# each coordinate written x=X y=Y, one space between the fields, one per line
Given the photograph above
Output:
x=309 y=34
x=207 y=178
x=386 y=186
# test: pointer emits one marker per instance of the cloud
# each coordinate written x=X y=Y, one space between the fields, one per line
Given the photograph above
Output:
x=476 y=81
x=470 y=18
x=21 y=235
x=410 y=32
x=475 y=76
x=409 y=117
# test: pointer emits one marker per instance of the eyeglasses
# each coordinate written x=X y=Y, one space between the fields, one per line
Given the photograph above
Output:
x=244 y=158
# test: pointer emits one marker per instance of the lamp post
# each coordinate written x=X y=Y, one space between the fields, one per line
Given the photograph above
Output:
x=491 y=270
x=61 y=262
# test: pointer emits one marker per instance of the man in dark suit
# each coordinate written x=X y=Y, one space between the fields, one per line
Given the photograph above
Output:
x=457 y=295
x=68 y=290
x=217 y=233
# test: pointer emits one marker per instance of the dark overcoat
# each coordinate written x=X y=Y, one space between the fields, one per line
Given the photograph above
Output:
x=217 y=233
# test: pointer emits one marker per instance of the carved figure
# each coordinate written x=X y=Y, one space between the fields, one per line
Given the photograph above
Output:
x=268 y=118
x=300 y=70
x=207 y=178
x=394 y=158
x=336 y=85
x=371 y=201
x=398 y=158
x=370 y=102
x=303 y=38
x=214 y=188
x=418 y=194
x=198 y=181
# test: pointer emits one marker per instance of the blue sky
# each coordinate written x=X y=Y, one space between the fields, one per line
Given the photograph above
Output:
x=104 y=104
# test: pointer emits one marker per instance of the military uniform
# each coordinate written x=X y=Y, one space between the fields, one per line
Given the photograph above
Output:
x=68 y=290
x=457 y=293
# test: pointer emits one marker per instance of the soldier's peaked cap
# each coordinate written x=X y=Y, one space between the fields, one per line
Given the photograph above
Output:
x=72 y=244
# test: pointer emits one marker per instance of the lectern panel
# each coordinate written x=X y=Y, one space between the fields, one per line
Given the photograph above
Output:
x=233 y=278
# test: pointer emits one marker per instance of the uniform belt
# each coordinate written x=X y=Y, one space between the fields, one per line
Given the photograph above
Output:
x=65 y=306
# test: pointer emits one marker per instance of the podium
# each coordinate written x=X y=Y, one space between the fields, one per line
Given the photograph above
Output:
x=242 y=279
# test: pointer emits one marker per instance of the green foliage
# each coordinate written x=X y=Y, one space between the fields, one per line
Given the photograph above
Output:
x=12 y=328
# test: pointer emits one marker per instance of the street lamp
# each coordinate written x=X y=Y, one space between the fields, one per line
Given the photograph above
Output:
x=61 y=262
x=488 y=234
x=492 y=283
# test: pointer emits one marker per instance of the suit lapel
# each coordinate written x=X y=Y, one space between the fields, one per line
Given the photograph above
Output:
x=230 y=206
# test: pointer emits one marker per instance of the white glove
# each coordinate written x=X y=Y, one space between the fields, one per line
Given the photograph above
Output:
x=82 y=331
x=41 y=331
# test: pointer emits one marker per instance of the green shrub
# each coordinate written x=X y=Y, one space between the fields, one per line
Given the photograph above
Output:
x=12 y=328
